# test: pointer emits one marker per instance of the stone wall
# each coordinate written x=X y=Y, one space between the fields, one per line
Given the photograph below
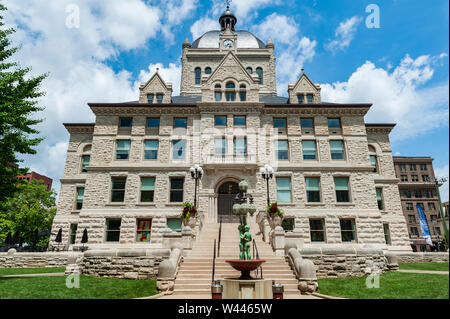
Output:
x=129 y=264
x=345 y=262
x=35 y=260
x=422 y=257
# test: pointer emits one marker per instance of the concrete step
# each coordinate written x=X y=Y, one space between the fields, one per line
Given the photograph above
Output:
x=206 y=292
x=233 y=271
x=226 y=267
x=208 y=286
x=204 y=281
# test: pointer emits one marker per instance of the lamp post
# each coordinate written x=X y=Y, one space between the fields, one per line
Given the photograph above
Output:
x=437 y=182
x=196 y=174
x=267 y=174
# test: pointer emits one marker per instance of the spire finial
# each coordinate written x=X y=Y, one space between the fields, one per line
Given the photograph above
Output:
x=228 y=2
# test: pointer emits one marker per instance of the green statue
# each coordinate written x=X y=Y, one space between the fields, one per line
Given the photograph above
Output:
x=245 y=242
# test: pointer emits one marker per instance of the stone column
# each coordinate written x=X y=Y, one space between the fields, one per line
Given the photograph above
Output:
x=279 y=238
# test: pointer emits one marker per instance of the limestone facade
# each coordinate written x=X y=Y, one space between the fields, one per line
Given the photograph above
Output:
x=208 y=119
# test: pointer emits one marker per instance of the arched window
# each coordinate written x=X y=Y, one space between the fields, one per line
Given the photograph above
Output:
x=243 y=93
x=230 y=92
x=198 y=75
x=208 y=70
x=259 y=71
x=250 y=70
x=373 y=158
x=218 y=93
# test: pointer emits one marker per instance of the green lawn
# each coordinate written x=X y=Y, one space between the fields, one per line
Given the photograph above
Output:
x=424 y=266
x=23 y=271
x=90 y=288
x=393 y=285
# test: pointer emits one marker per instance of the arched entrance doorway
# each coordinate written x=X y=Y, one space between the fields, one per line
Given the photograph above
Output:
x=226 y=195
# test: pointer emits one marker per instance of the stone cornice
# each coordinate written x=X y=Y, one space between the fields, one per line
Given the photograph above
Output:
x=69 y=180
x=314 y=109
x=80 y=128
x=322 y=168
x=144 y=109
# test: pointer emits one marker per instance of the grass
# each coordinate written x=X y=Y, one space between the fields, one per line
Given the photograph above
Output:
x=393 y=285
x=90 y=288
x=424 y=266
x=23 y=271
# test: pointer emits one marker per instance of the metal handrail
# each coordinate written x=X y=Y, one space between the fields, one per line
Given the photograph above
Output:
x=220 y=236
x=214 y=262
x=255 y=249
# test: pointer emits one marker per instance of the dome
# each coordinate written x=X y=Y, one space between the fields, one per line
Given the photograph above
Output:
x=245 y=40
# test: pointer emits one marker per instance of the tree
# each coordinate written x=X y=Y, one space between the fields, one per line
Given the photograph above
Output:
x=31 y=207
x=18 y=104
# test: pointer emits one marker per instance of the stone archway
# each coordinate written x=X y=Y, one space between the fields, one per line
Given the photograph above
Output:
x=226 y=194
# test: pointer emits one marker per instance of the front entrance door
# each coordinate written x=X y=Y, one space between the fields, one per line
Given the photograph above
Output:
x=227 y=194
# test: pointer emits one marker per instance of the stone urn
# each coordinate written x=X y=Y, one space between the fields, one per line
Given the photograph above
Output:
x=274 y=221
x=191 y=222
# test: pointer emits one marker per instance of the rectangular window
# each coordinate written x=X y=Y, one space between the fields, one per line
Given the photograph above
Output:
x=414 y=232
x=409 y=206
x=220 y=146
x=147 y=189
x=337 y=150
x=423 y=167
x=433 y=217
x=180 y=122
x=309 y=97
x=373 y=163
x=342 y=189
x=220 y=120
x=150 y=98
x=317 y=230
x=153 y=122
x=288 y=224
x=284 y=189
x=380 y=198
x=282 y=150
x=240 y=120
x=279 y=123
x=431 y=206
x=348 y=230
x=126 y=122
x=179 y=149
x=402 y=167
x=113 y=230
x=123 y=150
x=428 y=194
x=307 y=123
x=425 y=178
x=144 y=229
x=151 y=150
x=412 y=219
x=309 y=150
x=412 y=167
x=118 y=189
x=418 y=194
x=80 y=198
x=407 y=194
x=85 y=163
x=312 y=189
x=73 y=233
x=176 y=190
x=174 y=224
x=240 y=146
x=404 y=178
x=387 y=234
x=414 y=178
x=159 y=98
x=438 y=230
x=301 y=99
x=334 y=123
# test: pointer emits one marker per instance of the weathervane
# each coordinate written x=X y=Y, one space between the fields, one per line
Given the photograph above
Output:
x=228 y=2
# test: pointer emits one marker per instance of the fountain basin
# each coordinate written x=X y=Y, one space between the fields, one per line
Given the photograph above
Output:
x=245 y=267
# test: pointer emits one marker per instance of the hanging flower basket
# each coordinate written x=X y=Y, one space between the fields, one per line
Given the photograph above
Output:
x=189 y=214
x=274 y=215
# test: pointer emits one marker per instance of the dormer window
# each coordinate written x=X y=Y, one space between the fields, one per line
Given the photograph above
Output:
x=150 y=98
x=301 y=99
x=230 y=94
x=243 y=93
x=198 y=76
x=309 y=97
x=159 y=98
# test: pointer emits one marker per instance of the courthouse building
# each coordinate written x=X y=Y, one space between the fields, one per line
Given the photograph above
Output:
x=127 y=174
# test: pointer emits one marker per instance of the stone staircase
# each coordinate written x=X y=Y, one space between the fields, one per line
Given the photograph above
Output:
x=195 y=273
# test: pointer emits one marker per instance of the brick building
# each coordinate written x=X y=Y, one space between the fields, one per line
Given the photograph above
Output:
x=127 y=174
x=417 y=186
x=35 y=176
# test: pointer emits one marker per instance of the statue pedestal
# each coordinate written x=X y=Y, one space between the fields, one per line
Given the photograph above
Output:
x=247 y=289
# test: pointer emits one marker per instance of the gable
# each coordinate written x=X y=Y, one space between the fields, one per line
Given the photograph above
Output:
x=304 y=84
x=156 y=83
x=230 y=67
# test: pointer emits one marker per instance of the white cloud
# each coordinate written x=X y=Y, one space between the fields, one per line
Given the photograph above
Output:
x=176 y=11
x=278 y=28
x=443 y=172
x=397 y=96
x=202 y=26
x=344 y=34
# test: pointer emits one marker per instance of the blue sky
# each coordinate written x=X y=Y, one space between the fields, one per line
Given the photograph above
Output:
x=401 y=67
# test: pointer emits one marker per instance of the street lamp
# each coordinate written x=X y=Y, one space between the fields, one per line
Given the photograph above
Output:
x=196 y=174
x=437 y=182
x=267 y=173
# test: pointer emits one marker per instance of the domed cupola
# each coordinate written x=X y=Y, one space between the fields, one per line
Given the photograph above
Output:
x=227 y=19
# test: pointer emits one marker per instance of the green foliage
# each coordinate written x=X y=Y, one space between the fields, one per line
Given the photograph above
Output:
x=189 y=210
x=31 y=207
x=424 y=266
x=18 y=104
x=23 y=271
x=273 y=210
